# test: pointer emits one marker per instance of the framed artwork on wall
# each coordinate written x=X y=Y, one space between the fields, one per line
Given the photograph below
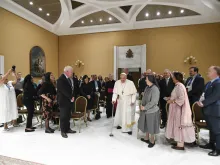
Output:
x=37 y=62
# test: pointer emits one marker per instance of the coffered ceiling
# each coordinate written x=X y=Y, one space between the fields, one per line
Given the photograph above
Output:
x=65 y=17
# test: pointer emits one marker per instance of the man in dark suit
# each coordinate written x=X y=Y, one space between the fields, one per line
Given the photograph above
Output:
x=65 y=97
x=166 y=87
x=96 y=84
x=142 y=83
x=195 y=85
x=211 y=110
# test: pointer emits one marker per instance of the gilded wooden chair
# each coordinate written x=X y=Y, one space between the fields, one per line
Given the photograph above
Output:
x=22 y=109
x=96 y=104
x=198 y=120
x=80 y=111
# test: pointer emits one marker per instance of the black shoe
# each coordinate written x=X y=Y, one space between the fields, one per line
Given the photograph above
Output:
x=178 y=148
x=71 y=131
x=151 y=145
x=130 y=133
x=118 y=127
x=2 y=125
x=194 y=144
x=29 y=130
x=64 y=135
x=88 y=119
x=162 y=126
x=209 y=146
x=214 y=153
x=53 y=130
x=33 y=127
x=146 y=141
x=48 y=131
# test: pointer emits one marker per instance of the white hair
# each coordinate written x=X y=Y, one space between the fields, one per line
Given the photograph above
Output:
x=167 y=70
x=124 y=74
x=68 y=68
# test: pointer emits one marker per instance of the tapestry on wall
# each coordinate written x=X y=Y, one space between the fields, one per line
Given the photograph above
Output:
x=37 y=62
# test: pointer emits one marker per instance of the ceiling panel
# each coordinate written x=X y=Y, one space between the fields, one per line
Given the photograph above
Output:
x=126 y=9
x=98 y=18
x=51 y=9
x=151 y=12
x=76 y=4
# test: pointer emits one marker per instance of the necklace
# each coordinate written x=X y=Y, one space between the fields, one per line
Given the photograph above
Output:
x=123 y=87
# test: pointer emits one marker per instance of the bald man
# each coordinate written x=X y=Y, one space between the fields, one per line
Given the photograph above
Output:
x=125 y=94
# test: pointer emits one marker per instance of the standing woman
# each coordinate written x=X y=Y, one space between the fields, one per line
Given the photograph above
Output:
x=86 y=90
x=149 y=121
x=29 y=96
x=8 y=103
x=179 y=124
x=48 y=94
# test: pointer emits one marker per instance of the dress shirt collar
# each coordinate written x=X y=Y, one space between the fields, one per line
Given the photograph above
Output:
x=214 y=79
x=66 y=76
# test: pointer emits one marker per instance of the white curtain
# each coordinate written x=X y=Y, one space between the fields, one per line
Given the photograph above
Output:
x=1 y=64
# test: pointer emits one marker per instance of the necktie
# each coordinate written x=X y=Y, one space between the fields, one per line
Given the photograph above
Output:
x=190 y=81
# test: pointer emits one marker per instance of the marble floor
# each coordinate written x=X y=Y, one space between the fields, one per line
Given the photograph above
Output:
x=94 y=146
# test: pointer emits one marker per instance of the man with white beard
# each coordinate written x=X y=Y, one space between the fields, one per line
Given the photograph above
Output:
x=125 y=94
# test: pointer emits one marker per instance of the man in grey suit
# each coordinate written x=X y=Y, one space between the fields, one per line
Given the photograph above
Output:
x=211 y=109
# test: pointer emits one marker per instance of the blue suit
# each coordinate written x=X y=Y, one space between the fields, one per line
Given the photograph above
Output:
x=211 y=111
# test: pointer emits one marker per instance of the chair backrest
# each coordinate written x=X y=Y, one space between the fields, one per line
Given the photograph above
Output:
x=80 y=104
x=96 y=102
x=19 y=101
x=197 y=112
x=102 y=96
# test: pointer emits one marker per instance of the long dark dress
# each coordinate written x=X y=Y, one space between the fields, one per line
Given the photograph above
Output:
x=48 y=90
x=109 y=92
x=85 y=90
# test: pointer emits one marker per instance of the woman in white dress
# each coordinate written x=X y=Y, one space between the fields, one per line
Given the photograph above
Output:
x=8 y=103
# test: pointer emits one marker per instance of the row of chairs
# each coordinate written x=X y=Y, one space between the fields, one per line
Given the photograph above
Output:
x=79 y=114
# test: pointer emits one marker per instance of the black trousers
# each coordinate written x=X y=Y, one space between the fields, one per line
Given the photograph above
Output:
x=30 y=109
x=213 y=124
x=163 y=110
x=65 y=114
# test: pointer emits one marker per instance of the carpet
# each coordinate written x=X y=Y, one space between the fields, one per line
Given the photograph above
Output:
x=11 y=161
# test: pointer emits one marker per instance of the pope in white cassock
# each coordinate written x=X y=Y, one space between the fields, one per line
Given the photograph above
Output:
x=125 y=94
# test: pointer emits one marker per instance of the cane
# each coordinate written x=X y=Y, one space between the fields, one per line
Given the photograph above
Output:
x=111 y=134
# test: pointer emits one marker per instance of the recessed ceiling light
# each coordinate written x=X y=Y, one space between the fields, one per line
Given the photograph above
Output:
x=100 y=20
x=147 y=14
x=110 y=18
x=82 y=22
x=91 y=21
x=31 y=3
x=40 y=9
x=158 y=13
x=170 y=12
x=182 y=11
x=48 y=14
